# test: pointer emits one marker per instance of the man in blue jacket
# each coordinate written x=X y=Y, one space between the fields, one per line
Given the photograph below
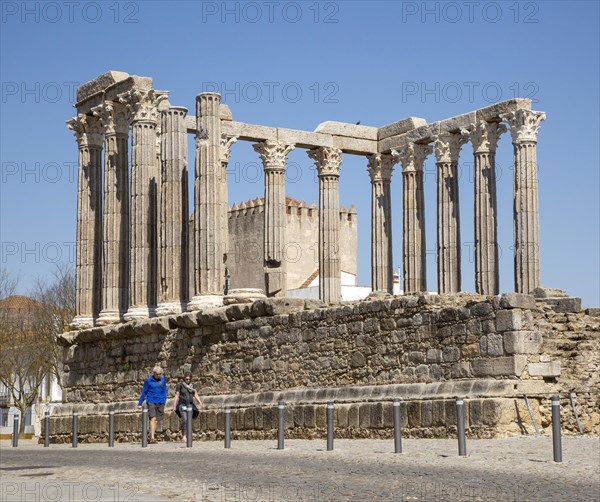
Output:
x=155 y=394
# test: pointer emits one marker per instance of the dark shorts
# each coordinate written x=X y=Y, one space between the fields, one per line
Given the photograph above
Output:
x=156 y=411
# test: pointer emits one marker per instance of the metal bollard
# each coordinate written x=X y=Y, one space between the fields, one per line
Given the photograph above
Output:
x=15 y=434
x=111 y=428
x=46 y=429
x=397 y=430
x=329 y=425
x=556 y=441
x=460 y=425
x=74 y=438
x=188 y=426
x=144 y=426
x=280 y=425
x=227 y=417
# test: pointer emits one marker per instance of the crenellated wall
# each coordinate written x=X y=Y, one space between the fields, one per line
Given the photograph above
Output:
x=245 y=260
x=425 y=350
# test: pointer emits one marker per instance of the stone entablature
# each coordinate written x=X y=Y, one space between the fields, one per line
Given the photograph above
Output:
x=133 y=277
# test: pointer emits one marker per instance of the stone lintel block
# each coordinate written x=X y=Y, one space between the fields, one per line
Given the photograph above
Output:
x=421 y=134
x=509 y=320
x=499 y=366
x=245 y=132
x=355 y=146
x=548 y=369
x=348 y=130
x=455 y=124
x=100 y=83
x=517 y=301
x=522 y=342
x=304 y=139
x=400 y=127
x=492 y=113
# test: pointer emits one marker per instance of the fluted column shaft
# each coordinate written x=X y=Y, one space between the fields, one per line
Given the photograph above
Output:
x=380 y=169
x=209 y=209
x=328 y=162
x=173 y=233
x=412 y=158
x=274 y=157
x=484 y=137
x=447 y=149
x=144 y=115
x=88 y=132
x=524 y=128
x=115 y=273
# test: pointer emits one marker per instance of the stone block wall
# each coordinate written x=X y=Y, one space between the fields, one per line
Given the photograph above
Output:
x=425 y=350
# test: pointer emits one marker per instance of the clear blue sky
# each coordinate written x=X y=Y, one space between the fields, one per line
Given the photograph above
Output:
x=296 y=64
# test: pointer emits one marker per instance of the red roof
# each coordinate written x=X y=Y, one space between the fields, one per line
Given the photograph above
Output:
x=19 y=302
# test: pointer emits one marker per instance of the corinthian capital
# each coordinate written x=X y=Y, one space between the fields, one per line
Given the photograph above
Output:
x=412 y=156
x=485 y=135
x=524 y=124
x=380 y=166
x=273 y=153
x=447 y=146
x=327 y=160
x=113 y=116
x=225 y=146
x=87 y=130
x=143 y=104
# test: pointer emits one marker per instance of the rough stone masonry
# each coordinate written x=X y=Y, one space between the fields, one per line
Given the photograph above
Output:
x=424 y=349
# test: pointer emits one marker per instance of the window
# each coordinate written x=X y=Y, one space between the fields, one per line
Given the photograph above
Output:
x=4 y=417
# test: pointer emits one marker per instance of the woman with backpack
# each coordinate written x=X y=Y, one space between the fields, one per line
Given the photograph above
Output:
x=185 y=394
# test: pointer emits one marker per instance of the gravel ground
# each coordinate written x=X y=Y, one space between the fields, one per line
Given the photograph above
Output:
x=513 y=469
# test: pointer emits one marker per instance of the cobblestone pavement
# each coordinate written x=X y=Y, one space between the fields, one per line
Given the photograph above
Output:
x=514 y=469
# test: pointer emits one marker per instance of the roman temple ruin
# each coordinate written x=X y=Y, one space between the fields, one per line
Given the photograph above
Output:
x=153 y=287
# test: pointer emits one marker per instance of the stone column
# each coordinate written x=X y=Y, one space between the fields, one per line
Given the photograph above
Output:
x=485 y=136
x=274 y=155
x=224 y=152
x=447 y=150
x=173 y=228
x=209 y=210
x=115 y=273
x=88 y=268
x=144 y=115
x=412 y=157
x=380 y=169
x=328 y=163
x=524 y=128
